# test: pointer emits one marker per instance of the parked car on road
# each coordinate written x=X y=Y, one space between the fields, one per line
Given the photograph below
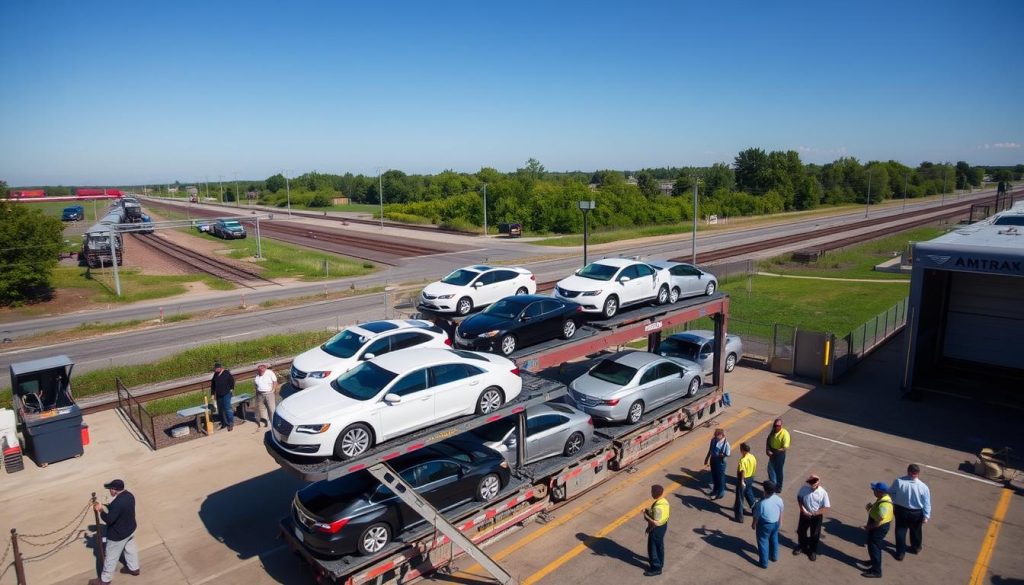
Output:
x=357 y=514
x=227 y=229
x=73 y=213
x=606 y=285
x=518 y=321
x=699 y=346
x=551 y=429
x=358 y=343
x=625 y=386
x=392 y=395
x=474 y=287
x=688 y=280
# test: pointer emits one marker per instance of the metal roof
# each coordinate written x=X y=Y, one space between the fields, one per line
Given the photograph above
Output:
x=981 y=238
x=48 y=363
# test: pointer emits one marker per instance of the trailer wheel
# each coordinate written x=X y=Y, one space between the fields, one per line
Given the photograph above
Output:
x=488 y=487
x=636 y=410
x=374 y=538
x=353 y=441
x=558 y=492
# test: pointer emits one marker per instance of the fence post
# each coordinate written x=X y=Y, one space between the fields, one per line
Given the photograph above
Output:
x=885 y=328
x=19 y=565
x=96 y=536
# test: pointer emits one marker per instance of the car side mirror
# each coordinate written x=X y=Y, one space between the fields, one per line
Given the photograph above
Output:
x=477 y=284
x=392 y=398
x=511 y=441
x=369 y=356
x=524 y=318
x=624 y=279
x=576 y=272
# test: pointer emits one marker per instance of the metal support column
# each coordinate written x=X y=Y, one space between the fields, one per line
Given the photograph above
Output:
x=259 y=242
x=390 y=478
x=718 y=371
x=113 y=260
x=520 y=440
x=653 y=341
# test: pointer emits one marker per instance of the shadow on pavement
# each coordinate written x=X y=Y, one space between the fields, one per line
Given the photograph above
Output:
x=735 y=544
x=606 y=547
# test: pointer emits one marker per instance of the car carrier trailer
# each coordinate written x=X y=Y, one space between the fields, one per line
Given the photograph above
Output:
x=536 y=487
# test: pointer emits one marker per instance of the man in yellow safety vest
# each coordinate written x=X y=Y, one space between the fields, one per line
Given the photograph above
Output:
x=880 y=516
x=657 y=524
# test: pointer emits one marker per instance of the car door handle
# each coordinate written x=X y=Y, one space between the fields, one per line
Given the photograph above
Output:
x=474 y=383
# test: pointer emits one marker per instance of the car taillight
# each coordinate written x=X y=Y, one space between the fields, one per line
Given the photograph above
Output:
x=533 y=278
x=611 y=402
x=579 y=308
x=332 y=527
x=515 y=371
x=448 y=341
x=590 y=420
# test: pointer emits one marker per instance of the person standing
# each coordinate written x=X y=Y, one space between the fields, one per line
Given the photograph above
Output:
x=814 y=503
x=767 y=514
x=119 y=516
x=657 y=525
x=745 y=471
x=221 y=386
x=880 y=516
x=912 y=503
x=776 y=447
x=266 y=397
x=718 y=451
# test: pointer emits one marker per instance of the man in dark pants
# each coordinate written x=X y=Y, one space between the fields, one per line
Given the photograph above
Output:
x=814 y=503
x=880 y=517
x=119 y=516
x=776 y=447
x=657 y=525
x=745 y=470
x=221 y=386
x=912 y=501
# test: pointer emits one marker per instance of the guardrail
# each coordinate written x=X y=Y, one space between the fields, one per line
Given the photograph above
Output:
x=136 y=413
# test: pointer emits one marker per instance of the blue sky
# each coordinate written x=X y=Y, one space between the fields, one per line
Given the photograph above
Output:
x=123 y=92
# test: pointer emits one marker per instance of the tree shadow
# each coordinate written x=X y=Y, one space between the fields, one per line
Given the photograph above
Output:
x=606 y=547
x=733 y=544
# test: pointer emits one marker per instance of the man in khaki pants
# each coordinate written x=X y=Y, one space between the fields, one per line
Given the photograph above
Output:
x=266 y=397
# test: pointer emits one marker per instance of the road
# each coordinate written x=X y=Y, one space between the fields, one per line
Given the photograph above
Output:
x=147 y=345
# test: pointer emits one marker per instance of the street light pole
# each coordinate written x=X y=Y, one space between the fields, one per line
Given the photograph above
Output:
x=867 y=206
x=237 y=204
x=585 y=206
x=906 y=181
x=220 y=179
x=380 y=194
x=288 y=193
x=693 y=237
x=485 y=210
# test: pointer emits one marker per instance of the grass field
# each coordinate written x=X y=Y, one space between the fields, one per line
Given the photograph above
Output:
x=98 y=284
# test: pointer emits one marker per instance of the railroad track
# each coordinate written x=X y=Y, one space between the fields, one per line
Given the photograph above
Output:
x=378 y=249
x=203 y=263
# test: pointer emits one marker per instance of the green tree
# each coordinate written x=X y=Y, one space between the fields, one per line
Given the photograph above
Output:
x=533 y=169
x=275 y=183
x=647 y=184
x=719 y=176
x=683 y=184
x=29 y=244
x=750 y=166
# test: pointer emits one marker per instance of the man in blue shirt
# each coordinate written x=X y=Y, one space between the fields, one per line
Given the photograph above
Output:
x=912 y=503
x=767 y=520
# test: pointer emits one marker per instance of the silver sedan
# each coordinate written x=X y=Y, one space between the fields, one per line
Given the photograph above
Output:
x=625 y=386
x=699 y=346
x=551 y=429
x=687 y=280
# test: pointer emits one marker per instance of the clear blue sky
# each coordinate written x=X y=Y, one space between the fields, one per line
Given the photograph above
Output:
x=104 y=92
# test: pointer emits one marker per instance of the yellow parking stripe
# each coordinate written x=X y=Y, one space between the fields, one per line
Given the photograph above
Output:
x=989 y=544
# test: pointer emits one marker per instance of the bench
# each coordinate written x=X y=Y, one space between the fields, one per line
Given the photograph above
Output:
x=197 y=411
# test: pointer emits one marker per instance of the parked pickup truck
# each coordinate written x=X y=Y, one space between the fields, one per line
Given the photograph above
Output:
x=73 y=213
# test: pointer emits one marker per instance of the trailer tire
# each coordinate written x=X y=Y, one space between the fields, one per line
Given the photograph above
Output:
x=558 y=492
x=374 y=538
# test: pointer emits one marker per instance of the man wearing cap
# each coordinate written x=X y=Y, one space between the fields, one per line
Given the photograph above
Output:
x=656 y=517
x=745 y=470
x=266 y=385
x=813 y=501
x=776 y=447
x=119 y=516
x=912 y=503
x=880 y=517
x=221 y=386
x=767 y=521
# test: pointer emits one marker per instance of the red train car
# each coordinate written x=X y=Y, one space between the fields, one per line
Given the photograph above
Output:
x=27 y=193
x=97 y=192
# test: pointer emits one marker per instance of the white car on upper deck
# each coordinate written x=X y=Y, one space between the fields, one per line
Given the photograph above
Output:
x=606 y=285
x=476 y=286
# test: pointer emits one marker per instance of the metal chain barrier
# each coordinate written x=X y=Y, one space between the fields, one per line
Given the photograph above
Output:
x=77 y=521
x=69 y=533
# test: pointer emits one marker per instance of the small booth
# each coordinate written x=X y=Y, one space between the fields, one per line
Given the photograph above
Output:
x=51 y=421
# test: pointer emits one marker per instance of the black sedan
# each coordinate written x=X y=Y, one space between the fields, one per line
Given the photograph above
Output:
x=356 y=514
x=518 y=321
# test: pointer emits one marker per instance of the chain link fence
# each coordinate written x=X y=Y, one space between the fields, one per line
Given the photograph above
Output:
x=849 y=350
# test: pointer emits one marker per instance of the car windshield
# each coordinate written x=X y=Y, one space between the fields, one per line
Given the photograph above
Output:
x=363 y=382
x=679 y=348
x=613 y=372
x=494 y=431
x=232 y=224
x=344 y=344
x=460 y=277
x=1010 y=220
x=507 y=308
x=597 y=271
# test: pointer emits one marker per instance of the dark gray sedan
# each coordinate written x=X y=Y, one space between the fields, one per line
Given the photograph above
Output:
x=699 y=346
x=551 y=429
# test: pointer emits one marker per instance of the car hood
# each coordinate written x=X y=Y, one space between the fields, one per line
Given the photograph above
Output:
x=439 y=288
x=593 y=387
x=482 y=323
x=318 y=360
x=319 y=404
x=579 y=283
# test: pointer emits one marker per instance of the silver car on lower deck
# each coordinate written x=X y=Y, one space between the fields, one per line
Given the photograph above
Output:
x=624 y=386
x=699 y=346
x=551 y=429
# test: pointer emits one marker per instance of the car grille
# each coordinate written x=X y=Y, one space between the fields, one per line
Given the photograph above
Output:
x=584 y=399
x=569 y=294
x=298 y=374
x=301 y=516
x=282 y=426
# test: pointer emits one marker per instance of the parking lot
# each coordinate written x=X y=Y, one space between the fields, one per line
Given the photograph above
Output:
x=208 y=509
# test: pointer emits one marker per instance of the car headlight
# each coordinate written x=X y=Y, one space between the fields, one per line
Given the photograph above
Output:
x=591 y=293
x=445 y=296
x=313 y=429
x=319 y=375
x=490 y=333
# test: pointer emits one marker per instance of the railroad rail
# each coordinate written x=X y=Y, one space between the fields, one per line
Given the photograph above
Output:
x=203 y=263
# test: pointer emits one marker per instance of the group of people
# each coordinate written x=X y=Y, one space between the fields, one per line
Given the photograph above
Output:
x=222 y=387
x=906 y=503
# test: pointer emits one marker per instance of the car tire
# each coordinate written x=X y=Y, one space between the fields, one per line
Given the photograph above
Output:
x=507 y=344
x=574 y=444
x=635 y=412
x=522 y=291
x=693 y=387
x=374 y=538
x=568 y=329
x=353 y=441
x=673 y=295
x=487 y=488
x=663 y=295
x=490 y=399
x=464 y=306
x=710 y=289
x=611 y=306
x=730 y=362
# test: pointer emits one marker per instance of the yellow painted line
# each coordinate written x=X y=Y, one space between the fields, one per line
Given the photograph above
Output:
x=989 y=544
x=553 y=565
x=633 y=479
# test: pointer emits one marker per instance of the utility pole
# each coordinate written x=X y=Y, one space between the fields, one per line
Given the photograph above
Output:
x=945 y=177
x=485 y=210
x=288 y=192
x=220 y=179
x=380 y=194
x=236 y=190
x=867 y=207
x=906 y=181
x=693 y=237
x=113 y=260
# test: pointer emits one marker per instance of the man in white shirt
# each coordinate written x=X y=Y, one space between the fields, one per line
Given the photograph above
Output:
x=266 y=399
x=813 y=501
x=912 y=506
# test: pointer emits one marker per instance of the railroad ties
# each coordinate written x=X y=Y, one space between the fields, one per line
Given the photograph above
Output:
x=203 y=263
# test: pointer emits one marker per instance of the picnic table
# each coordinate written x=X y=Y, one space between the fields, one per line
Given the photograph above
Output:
x=241 y=401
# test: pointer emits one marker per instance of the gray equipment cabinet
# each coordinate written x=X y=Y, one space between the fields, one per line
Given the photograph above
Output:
x=51 y=421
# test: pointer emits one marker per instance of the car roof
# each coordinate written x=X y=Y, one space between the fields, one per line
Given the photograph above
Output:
x=374 y=328
x=617 y=262
x=478 y=268
x=405 y=361
x=699 y=334
x=637 y=359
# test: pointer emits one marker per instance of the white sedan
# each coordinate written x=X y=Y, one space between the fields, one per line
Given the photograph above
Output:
x=392 y=395
x=476 y=286
x=608 y=284
x=359 y=343
x=688 y=280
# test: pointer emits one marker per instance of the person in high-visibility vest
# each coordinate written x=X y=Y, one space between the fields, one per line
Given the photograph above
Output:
x=880 y=516
x=657 y=524
x=745 y=470
x=776 y=447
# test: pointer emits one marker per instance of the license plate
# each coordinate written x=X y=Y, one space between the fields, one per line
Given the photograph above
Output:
x=298 y=534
